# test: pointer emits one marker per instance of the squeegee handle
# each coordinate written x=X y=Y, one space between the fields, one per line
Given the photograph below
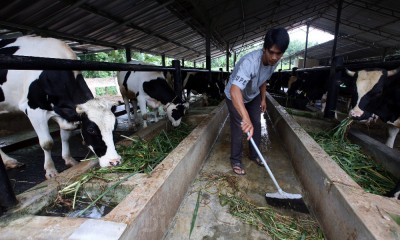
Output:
x=265 y=164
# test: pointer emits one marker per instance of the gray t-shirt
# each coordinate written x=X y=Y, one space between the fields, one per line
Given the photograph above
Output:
x=249 y=74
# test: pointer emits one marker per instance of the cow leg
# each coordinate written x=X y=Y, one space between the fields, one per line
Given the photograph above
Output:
x=135 y=114
x=156 y=114
x=9 y=162
x=39 y=121
x=143 y=110
x=188 y=91
x=205 y=99
x=392 y=132
x=66 y=153
x=128 y=112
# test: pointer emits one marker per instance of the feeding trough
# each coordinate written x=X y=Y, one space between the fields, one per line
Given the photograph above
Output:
x=343 y=209
x=141 y=213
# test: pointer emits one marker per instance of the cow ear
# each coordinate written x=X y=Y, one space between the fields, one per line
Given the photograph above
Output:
x=350 y=73
x=393 y=72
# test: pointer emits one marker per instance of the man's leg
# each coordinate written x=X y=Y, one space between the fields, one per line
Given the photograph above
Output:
x=254 y=110
x=236 y=134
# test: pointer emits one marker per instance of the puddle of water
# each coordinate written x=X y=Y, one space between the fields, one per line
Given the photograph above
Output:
x=63 y=208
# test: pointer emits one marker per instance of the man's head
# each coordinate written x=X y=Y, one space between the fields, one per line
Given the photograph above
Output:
x=276 y=42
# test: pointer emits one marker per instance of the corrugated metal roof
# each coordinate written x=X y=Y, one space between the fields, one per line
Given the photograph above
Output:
x=177 y=28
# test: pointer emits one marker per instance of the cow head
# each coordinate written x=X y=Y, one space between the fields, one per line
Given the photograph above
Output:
x=175 y=112
x=98 y=123
x=368 y=91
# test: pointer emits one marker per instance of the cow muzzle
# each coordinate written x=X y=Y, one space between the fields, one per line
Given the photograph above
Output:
x=364 y=117
x=110 y=162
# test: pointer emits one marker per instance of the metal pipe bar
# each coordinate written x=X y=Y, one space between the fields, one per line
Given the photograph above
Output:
x=40 y=63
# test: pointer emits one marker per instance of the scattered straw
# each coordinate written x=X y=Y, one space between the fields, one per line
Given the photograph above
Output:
x=265 y=218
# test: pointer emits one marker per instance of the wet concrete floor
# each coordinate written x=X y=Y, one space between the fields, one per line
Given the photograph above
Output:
x=213 y=221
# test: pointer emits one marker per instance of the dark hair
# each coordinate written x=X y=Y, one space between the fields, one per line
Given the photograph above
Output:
x=277 y=36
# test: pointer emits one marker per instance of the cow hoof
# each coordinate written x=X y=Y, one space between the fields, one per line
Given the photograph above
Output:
x=13 y=164
x=69 y=162
x=51 y=174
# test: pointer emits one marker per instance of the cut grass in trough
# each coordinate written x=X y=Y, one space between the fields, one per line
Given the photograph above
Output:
x=139 y=157
x=367 y=173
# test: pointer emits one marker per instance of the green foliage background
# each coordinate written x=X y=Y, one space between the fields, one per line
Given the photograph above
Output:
x=118 y=56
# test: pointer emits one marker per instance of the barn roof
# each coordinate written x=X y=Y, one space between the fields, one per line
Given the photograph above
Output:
x=177 y=28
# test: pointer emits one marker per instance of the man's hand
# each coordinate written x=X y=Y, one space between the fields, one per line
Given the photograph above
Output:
x=247 y=127
x=263 y=106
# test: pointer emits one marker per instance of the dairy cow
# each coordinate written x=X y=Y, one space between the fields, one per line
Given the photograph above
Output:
x=59 y=95
x=152 y=90
x=197 y=83
x=377 y=95
x=395 y=192
x=310 y=87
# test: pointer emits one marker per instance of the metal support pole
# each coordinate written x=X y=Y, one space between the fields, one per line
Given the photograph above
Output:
x=183 y=62
x=163 y=60
x=194 y=64
x=7 y=196
x=305 y=48
x=208 y=55
x=234 y=59
x=227 y=57
x=177 y=78
x=332 y=89
x=128 y=54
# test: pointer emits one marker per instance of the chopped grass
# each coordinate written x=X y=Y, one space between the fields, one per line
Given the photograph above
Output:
x=370 y=175
x=278 y=226
x=265 y=218
x=139 y=157
x=339 y=132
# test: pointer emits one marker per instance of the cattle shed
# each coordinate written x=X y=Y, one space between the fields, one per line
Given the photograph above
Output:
x=366 y=32
x=194 y=30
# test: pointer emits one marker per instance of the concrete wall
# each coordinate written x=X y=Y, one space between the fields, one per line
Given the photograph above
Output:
x=343 y=209
x=145 y=213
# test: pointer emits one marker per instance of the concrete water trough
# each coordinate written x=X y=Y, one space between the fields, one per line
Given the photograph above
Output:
x=150 y=202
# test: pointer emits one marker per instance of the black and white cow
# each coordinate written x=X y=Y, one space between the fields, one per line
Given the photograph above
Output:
x=395 y=192
x=198 y=83
x=59 y=95
x=152 y=90
x=377 y=95
x=310 y=87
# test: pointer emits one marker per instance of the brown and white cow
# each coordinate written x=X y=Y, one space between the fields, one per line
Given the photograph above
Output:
x=150 y=89
x=377 y=95
x=59 y=95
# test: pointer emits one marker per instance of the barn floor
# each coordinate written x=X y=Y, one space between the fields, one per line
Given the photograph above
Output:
x=213 y=220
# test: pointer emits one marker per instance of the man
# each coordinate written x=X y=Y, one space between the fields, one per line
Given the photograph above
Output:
x=246 y=92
